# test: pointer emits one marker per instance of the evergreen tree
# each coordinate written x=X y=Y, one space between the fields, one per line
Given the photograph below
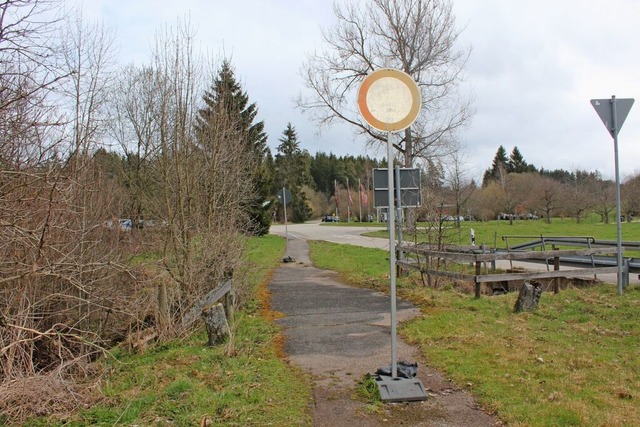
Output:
x=499 y=161
x=226 y=98
x=293 y=167
x=434 y=174
x=517 y=164
x=325 y=168
x=323 y=172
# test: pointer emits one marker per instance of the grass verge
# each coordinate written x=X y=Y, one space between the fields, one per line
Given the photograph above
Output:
x=187 y=383
x=572 y=362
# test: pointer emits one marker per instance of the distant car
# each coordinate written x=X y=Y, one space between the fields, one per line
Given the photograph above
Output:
x=330 y=218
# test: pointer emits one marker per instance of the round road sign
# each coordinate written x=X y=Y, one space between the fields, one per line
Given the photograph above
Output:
x=389 y=100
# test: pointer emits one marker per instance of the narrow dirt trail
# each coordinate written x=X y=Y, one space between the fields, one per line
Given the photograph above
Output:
x=338 y=334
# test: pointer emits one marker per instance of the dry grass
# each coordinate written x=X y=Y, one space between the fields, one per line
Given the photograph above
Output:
x=45 y=396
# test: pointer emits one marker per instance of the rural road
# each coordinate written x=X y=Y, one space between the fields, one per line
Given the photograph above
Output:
x=343 y=235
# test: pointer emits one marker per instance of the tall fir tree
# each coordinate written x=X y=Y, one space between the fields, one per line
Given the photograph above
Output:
x=293 y=170
x=226 y=97
x=517 y=164
x=499 y=161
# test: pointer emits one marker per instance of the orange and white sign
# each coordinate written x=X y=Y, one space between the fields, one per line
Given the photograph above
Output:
x=389 y=100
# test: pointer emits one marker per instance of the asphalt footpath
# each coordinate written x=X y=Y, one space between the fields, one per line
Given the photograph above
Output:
x=338 y=334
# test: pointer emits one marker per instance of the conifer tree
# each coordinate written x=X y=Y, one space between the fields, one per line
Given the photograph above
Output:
x=500 y=161
x=517 y=164
x=293 y=171
x=227 y=98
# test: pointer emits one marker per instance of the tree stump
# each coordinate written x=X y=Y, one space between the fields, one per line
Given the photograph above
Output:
x=216 y=323
x=529 y=296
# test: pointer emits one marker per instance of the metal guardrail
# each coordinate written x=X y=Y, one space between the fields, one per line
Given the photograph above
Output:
x=632 y=264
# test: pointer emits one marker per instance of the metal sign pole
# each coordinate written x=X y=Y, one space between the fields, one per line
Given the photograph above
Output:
x=383 y=103
x=392 y=258
x=613 y=114
x=618 y=212
x=286 y=229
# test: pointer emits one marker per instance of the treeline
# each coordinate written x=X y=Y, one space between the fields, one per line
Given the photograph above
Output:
x=312 y=179
x=517 y=189
x=315 y=180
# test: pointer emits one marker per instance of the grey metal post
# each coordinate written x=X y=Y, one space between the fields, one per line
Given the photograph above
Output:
x=392 y=259
x=286 y=229
x=399 y=211
x=618 y=213
x=625 y=276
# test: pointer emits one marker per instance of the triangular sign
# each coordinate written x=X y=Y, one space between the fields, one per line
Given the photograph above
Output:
x=604 y=108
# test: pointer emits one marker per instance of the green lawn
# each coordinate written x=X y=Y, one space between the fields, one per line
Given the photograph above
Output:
x=491 y=233
x=572 y=362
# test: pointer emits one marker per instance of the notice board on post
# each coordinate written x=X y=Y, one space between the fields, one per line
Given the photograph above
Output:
x=409 y=184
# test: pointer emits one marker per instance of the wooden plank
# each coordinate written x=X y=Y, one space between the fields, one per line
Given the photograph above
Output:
x=450 y=274
x=409 y=264
x=212 y=296
x=454 y=256
x=486 y=278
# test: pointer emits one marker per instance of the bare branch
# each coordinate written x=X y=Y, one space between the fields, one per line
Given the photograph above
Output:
x=415 y=36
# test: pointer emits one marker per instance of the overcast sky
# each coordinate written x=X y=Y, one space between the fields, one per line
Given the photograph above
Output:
x=534 y=66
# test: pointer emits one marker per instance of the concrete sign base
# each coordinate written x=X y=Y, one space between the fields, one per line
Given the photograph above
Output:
x=400 y=389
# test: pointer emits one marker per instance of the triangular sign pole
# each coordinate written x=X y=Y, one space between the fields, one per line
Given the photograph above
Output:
x=604 y=108
x=613 y=113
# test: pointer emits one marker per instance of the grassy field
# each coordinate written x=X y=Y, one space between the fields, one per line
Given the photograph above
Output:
x=573 y=362
x=185 y=382
x=491 y=232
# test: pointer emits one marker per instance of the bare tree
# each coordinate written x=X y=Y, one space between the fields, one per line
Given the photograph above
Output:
x=579 y=194
x=134 y=126
x=604 y=196
x=415 y=36
x=61 y=282
x=545 y=195
x=201 y=175
x=88 y=54
x=631 y=196
x=28 y=52
x=458 y=182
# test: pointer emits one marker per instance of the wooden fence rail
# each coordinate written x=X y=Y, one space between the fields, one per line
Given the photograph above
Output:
x=477 y=256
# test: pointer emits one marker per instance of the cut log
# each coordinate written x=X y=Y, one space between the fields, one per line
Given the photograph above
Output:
x=216 y=323
x=529 y=296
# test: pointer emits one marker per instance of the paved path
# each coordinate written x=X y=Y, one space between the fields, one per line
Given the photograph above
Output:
x=339 y=333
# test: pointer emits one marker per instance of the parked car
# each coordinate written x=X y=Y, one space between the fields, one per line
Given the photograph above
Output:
x=330 y=218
